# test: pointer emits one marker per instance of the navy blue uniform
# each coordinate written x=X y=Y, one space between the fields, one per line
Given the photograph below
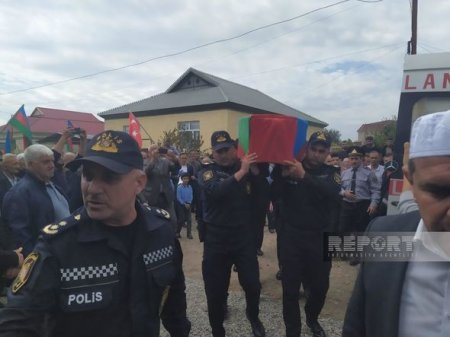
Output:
x=82 y=280
x=309 y=208
x=229 y=239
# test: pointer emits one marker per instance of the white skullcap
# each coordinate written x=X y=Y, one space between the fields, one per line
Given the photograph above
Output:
x=430 y=136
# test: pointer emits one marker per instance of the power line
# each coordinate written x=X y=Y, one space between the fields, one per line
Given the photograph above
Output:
x=179 y=52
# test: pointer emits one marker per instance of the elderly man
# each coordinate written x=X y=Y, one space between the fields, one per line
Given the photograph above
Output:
x=34 y=201
x=110 y=269
x=411 y=298
x=8 y=175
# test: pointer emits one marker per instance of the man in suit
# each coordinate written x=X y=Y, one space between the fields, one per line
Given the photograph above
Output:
x=411 y=298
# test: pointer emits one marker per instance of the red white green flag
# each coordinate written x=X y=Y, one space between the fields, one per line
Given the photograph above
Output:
x=134 y=129
x=20 y=122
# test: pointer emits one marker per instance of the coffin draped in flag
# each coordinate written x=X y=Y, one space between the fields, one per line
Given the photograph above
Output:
x=134 y=129
x=273 y=138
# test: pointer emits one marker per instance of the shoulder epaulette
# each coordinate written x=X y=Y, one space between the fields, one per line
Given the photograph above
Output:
x=159 y=212
x=62 y=226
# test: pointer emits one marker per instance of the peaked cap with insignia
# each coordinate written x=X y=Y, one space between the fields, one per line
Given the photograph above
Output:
x=221 y=140
x=320 y=137
x=115 y=150
x=355 y=152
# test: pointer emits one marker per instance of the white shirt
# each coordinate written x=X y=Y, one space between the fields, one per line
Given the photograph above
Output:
x=378 y=172
x=425 y=300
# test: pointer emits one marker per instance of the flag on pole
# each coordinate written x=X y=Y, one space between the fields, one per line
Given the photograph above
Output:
x=20 y=122
x=8 y=142
x=134 y=129
x=273 y=138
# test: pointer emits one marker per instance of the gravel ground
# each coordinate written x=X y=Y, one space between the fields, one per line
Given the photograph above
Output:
x=237 y=325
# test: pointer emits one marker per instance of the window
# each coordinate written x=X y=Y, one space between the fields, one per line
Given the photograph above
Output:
x=193 y=127
x=125 y=128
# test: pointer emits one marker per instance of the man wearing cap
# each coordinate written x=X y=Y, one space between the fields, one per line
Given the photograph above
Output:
x=112 y=268
x=309 y=194
x=360 y=190
x=411 y=298
x=229 y=239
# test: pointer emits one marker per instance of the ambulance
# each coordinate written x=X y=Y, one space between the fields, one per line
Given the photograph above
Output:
x=425 y=89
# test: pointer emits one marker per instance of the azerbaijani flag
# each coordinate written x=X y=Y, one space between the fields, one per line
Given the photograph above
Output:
x=20 y=122
x=274 y=138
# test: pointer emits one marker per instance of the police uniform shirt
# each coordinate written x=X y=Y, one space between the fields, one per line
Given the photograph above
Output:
x=367 y=185
x=308 y=203
x=227 y=202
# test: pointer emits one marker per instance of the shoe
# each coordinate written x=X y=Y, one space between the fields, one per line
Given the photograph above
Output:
x=259 y=252
x=258 y=328
x=279 y=275
x=354 y=262
x=235 y=268
x=272 y=230
x=316 y=329
x=190 y=237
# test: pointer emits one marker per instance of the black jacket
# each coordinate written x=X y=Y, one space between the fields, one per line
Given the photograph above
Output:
x=84 y=282
x=8 y=259
x=309 y=204
x=227 y=202
x=374 y=307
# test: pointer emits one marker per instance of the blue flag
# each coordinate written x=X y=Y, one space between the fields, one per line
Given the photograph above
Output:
x=8 y=142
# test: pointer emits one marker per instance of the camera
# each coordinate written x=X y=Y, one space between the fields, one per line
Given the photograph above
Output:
x=75 y=131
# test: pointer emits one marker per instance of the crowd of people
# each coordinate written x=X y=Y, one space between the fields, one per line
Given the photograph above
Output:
x=96 y=233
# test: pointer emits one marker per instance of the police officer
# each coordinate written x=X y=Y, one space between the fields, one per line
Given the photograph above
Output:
x=360 y=190
x=229 y=238
x=309 y=194
x=113 y=268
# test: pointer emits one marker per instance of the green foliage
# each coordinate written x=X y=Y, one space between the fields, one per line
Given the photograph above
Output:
x=388 y=131
x=183 y=141
x=335 y=135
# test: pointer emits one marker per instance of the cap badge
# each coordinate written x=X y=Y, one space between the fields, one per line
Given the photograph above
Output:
x=107 y=143
x=220 y=139
x=354 y=152
x=321 y=136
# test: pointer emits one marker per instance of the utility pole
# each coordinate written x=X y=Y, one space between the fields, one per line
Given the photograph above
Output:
x=412 y=45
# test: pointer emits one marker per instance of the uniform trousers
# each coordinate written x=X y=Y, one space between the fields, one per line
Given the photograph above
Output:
x=222 y=250
x=303 y=263
x=354 y=216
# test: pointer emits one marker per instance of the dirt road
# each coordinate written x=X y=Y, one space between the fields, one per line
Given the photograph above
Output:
x=341 y=281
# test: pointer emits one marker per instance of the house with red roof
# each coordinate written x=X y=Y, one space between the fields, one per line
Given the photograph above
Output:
x=46 y=125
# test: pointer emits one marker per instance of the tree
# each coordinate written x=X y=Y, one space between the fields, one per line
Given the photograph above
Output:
x=388 y=131
x=335 y=135
x=182 y=140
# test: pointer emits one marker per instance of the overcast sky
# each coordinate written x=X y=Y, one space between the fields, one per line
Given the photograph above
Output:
x=342 y=64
